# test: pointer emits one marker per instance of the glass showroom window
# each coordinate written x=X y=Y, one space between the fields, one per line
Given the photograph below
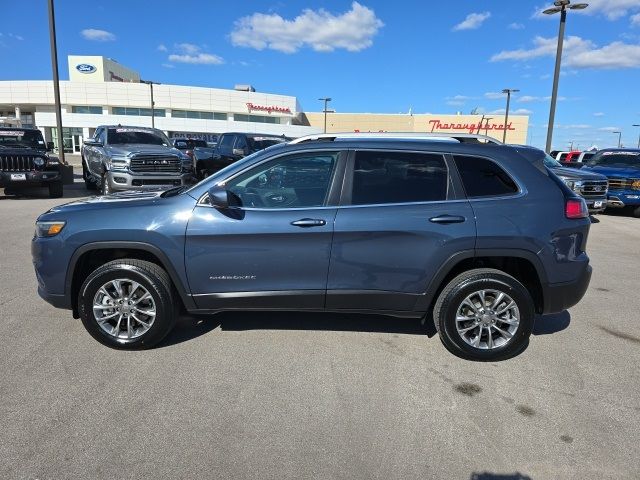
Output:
x=140 y=112
x=198 y=115
x=241 y=117
x=94 y=109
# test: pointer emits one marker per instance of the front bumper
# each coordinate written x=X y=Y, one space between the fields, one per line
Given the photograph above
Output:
x=33 y=178
x=623 y=198
x=558 y=297
x=142 y=181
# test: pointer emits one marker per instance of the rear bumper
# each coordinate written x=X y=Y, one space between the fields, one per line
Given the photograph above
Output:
x=58 y=301
x=30 y=179
x=561 y=296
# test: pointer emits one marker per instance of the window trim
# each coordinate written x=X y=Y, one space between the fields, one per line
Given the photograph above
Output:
x=519 y=193
x=335 y=186
x=347 y=187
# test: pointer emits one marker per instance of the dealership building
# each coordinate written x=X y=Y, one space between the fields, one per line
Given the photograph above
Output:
x=100 y=91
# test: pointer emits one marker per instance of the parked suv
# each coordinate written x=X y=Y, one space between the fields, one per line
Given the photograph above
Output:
x=589 y=185
x=124 y=158
x=232 y=147
x=24 y=161
x=622 y=168
x=478 y=237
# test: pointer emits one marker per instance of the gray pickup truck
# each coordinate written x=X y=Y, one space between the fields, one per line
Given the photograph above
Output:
x=133 y=158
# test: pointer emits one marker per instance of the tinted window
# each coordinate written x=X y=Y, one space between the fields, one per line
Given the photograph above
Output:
x=295 y=181
x=616 y=159
x=398 y=177
x=21 y=138
x=563 y=157
x=484 y=178
x=587 y=156
x=260 y=143
x=121 y=136
x=226 y=141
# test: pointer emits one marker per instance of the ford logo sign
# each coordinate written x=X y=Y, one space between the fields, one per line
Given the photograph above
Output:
x=85 y=68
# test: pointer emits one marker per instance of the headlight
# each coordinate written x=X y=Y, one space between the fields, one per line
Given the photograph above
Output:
x=49 y=229
x=119 y=163
x=38 y=161
x=635 y=185
x=574 y=185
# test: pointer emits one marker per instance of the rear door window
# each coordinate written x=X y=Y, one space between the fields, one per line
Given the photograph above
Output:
x=398 y=177
x=482 y=177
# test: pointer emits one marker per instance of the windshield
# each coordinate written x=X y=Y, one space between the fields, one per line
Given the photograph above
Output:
x=260 y=143
x=121 y=136
x=21 y=138
x=551 y=162
x=616 y=159
x=189 y=143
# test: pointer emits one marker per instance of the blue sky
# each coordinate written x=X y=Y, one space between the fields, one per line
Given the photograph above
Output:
x=369 y=56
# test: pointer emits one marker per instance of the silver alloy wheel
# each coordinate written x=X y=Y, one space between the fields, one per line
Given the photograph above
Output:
x=487 y=319
x=124 y=309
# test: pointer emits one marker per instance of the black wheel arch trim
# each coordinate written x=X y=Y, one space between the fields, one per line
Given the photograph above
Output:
x=423 y=303
x=146 y=247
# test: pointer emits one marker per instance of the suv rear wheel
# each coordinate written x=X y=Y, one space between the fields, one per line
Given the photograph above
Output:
x=484 y=314
x=128 y=304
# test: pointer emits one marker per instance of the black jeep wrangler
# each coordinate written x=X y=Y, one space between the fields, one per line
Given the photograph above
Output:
x=24 y=161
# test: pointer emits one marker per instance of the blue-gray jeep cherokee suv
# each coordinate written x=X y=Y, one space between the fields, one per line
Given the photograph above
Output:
x=477 y=236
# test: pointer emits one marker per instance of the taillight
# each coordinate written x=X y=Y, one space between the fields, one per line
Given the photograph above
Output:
x=576 y=208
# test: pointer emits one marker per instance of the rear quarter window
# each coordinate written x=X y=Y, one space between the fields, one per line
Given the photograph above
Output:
x=482 y=177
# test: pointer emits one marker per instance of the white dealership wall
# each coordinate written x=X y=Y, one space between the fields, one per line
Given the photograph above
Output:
x=37 y=97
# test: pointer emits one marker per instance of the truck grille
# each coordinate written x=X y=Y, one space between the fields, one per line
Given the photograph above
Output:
x=594 y=188
x=623 y=183
x=155 y=164
x=16 y=163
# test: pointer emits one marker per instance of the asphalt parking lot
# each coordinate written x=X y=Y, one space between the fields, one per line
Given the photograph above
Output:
x=250 y=395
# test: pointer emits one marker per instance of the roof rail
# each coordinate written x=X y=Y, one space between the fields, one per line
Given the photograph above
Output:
x=436 y=136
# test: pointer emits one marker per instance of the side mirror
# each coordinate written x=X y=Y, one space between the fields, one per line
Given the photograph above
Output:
x=239 y=151
x=218 y=197
x=50 y=146
x=92 y=143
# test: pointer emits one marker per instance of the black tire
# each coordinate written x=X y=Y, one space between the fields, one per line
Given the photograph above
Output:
x=636 y=212
x=105 y=189
x=150 y=276
x=201 y=171
x=56 y=190
x=465 y=284
x=89 y=183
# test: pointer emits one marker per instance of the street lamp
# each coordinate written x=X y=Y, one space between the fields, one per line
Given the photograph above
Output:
x=326 y=100
x=637 y=125
x=508 y=91
x=56 y=80
x=619 y=139
x=560 y=6
x=153 y=111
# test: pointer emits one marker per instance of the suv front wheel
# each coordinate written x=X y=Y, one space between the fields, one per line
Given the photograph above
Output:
x=484 y=314
x=128 y=304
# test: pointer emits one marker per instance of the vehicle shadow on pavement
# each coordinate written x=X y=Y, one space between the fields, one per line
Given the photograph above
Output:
x=548 y=324
x=190 y=326
x=499 y=476
x=76 y=190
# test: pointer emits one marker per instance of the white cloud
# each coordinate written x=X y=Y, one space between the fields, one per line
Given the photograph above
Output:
x=457 y=100
x=578 y=53
x=472 y=21
x=515 y=26
x=321 y=30
x=609 y=129
x=598 y=114
x=531 y=99
x=494 y=95
x=188 y=48
x=197 y=59
x=519 y=111
x=635 y=20
x=168 y=65
x=162 y=48
x=97 y=35
x=193 y=54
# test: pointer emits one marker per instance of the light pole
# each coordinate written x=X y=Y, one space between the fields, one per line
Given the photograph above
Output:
x=326 y=100
x=56 y=80
x=619 y=138
x=637 y=125
x=560 y=6
x=508 y=91
x=153 y=111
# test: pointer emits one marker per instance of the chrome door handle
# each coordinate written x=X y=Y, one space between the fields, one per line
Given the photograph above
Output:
x=309 y=222
x=445 y=219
